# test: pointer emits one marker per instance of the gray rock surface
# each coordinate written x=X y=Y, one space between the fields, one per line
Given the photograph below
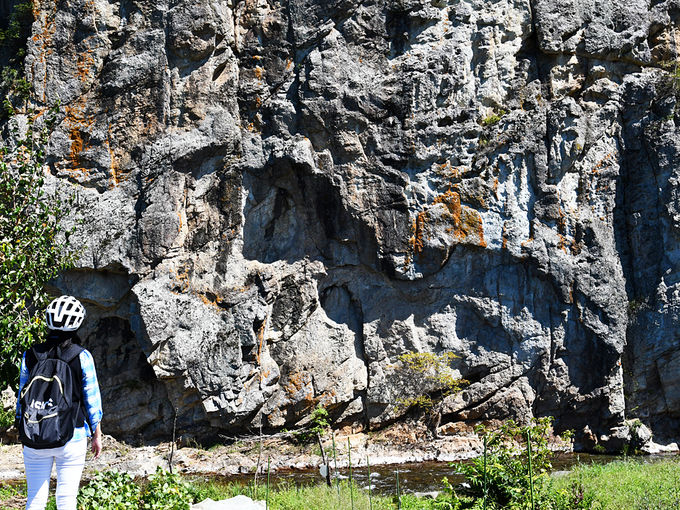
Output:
x=280 y=198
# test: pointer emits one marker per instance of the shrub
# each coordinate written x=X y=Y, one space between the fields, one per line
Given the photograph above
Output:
x=319 y=421
x=502 y=478
x=109 y=491
x=6 y=418
x=165 y=491
x=433 y=369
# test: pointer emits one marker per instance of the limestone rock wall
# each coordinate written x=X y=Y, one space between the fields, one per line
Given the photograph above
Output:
x=280 y=197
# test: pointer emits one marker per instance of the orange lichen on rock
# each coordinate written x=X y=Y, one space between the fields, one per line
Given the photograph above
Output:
x=467 y=223
x=451 y=199
x=418 y=227
x=42 y=39
x=116 y=177
x=296 y=382
x=447 y=170
x=78 y=123
x=76 y=146
x=471 y=227
x=84 y=65
x=210 y=302
x=462 y=223
x=561 y=221
x=260 y=337
x=604 y=161
x=415 y=242
x=562 y=245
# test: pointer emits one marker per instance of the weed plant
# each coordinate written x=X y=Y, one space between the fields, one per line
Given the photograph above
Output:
x=6 y=418
x=514 y=473
x=492 y=119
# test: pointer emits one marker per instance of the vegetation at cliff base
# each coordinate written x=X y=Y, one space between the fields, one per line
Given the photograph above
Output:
x=637 y=483
x=634 y=483
x=34 y=247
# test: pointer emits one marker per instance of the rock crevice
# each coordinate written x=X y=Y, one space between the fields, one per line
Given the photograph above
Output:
x=280 y=198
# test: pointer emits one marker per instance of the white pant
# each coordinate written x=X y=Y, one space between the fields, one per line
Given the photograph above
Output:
x=70 y=460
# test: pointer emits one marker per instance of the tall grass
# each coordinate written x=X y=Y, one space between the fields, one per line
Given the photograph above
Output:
x=288 y=496
x=632 y=484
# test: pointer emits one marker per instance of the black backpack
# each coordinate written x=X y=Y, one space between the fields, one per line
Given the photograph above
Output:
x=51 y=399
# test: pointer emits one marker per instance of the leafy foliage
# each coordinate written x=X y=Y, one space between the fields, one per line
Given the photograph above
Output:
x=33 y=250
x=319 y=420
x=434 y=369
x=19 y=24
x=165 y=491
x=14 y=89
x=109 y=491
x=504 y=480
x=494 y=118
x=6 y=418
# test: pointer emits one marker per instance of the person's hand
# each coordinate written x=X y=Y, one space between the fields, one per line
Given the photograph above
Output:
x=97 y=442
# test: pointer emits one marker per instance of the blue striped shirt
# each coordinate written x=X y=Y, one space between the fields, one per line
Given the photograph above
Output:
x=91 y=395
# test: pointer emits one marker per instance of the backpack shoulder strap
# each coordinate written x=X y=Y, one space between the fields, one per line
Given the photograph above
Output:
x=70 y=353
x=33 y=356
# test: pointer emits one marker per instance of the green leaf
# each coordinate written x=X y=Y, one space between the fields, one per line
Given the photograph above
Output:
x=31 y=251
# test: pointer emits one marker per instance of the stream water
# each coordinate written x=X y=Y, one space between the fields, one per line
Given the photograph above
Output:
x=422 y=477
x=419 y=477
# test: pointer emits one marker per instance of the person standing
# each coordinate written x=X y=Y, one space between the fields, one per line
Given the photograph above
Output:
x=58 y=408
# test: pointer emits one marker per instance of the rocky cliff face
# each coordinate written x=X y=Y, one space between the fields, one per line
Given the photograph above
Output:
x=280 y=197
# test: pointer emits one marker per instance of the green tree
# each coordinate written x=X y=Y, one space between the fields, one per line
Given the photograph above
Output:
x=434 y=370
x=34 y=247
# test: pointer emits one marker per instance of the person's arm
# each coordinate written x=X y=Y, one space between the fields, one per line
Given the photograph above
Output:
x=97 y=441
x=23 y=379
x=93 y=400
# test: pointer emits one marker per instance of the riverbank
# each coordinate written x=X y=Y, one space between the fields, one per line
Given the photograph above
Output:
x=395 y=445
x=640 y=482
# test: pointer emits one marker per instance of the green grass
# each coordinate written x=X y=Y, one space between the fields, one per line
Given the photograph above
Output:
x=633 y=484
x=10 y=492
x=284 y=496
x=287 y=496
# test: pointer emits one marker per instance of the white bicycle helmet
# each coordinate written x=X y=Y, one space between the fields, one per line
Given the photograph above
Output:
x=65 y=313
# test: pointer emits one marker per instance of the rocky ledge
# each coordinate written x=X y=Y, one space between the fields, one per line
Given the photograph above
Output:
x=278 y=198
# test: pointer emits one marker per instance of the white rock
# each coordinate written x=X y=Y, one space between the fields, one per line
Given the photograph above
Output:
x=240 y=502
x=8 y=399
